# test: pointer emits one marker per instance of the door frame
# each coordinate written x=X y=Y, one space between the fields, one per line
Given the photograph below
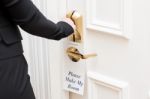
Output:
x=35 y=48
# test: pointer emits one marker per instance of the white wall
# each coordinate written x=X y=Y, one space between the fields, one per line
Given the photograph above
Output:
x=44 y=56
x=122 y=59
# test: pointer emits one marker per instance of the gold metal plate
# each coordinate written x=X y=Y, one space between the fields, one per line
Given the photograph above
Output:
x=78 y=21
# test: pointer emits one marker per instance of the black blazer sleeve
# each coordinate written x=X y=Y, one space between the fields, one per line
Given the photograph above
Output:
x=25 y=14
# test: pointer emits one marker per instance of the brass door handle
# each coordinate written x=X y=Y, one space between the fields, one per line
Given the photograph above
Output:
x=75 y=55
x=78 y=21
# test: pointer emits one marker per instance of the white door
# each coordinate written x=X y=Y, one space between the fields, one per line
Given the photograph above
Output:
x=117 y=30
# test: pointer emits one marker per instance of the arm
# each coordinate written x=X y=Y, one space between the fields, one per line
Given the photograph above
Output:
x=25 y=14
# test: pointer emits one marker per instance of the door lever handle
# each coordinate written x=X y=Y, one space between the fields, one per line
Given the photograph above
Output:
x=75 y=55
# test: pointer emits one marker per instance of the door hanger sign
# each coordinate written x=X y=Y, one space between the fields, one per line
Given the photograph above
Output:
x=74 y=82
x=74 y=76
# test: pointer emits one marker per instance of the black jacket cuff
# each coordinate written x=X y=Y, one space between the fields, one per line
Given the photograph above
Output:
x=64 y=30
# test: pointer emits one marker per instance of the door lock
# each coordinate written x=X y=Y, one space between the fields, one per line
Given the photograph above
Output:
x=75 y=55
x=77 y=36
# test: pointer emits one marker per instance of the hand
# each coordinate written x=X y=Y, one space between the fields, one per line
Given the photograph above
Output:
x=70 y=22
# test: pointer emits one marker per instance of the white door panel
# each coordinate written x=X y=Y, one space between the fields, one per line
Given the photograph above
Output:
x=118 y=31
